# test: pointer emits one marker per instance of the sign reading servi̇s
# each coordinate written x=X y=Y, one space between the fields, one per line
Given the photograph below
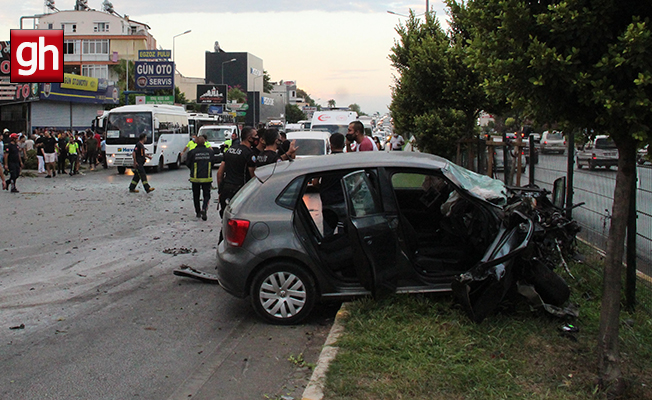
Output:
x=153 y=75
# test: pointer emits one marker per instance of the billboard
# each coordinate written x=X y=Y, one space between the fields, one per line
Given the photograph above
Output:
x=154 y=75
x=211 y=94
x=154 y=54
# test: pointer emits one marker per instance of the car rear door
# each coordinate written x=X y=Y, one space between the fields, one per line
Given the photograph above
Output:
x=373 y=234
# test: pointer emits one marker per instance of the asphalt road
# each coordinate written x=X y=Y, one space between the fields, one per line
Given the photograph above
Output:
x=85 y=279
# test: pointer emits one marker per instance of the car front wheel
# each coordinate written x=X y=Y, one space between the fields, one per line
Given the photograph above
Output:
x=283 y=293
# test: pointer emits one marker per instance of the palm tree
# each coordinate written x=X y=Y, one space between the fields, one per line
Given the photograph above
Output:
x=331 y=103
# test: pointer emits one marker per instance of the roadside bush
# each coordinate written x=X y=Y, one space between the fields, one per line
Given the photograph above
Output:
x=31 y=162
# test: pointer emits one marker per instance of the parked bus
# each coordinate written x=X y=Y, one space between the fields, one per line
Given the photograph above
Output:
x=167 y=132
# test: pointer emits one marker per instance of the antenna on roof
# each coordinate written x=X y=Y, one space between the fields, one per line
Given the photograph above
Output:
x=50 y=4
x=107 y=6
x=81 y=5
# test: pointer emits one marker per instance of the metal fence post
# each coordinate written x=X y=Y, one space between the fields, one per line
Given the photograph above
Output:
x=569 y=172
x=532 y=151
x=630 y=285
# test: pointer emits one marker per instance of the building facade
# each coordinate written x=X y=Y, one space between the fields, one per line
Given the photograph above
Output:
x=95 y=43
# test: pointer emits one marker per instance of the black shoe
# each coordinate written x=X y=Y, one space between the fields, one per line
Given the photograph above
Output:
x=48 y=176
x=71 y=174
x=54 y=174
x=198 y=214
x=203 y=215
x=14 y=190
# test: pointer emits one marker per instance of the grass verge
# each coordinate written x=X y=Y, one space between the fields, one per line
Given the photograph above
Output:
x=424 y=347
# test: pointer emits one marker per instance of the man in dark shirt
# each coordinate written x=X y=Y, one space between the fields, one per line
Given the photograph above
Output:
x=330 y=191
x=200 y=163
x=271 y=154
x=12 y=161
x=237 y=167
x=49 y=153
x=140 y=157
x=91 y=150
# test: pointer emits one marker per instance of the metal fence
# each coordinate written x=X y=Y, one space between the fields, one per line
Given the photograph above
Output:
x=594 y=188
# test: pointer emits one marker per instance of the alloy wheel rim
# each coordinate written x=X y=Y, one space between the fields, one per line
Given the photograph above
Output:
x=282 y=294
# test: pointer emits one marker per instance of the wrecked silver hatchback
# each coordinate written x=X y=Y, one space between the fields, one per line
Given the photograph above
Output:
x=348 y=225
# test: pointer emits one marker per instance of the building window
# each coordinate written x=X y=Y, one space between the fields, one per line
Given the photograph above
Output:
x=69 y=47
x=50 y=26
x=101 y=27
x=100 y=46
x=68 y=27
x=95 y=71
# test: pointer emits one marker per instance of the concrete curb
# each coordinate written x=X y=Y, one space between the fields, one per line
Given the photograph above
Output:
x=314 y=390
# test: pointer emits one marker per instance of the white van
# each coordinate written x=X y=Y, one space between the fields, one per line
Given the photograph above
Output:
x=333 y=121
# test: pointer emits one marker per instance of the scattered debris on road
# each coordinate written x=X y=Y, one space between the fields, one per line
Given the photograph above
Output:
x=181 y=250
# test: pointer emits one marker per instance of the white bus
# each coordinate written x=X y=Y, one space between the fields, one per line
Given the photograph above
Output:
x=167 y=132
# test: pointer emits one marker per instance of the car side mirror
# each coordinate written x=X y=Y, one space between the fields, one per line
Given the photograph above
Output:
x=157 y=124
x=559 y=192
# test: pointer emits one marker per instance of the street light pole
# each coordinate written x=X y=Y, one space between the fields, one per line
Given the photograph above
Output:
x=254 y=99
x=174 y=64
x=225 y=62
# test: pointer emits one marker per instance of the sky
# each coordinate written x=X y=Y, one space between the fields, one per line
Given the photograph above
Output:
x=334 y=49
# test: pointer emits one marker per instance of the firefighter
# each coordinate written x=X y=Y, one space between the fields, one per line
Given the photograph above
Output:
x=200 y=163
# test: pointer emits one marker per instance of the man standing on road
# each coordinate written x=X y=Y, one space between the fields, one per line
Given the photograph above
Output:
x=237 y=168
x=12 y=161
x=355 y=133
x=396 y=142
x=72 y=148
x=49 y=150
x=200 y=163
x=91 y=150
x=140 y=157
x=271 y=154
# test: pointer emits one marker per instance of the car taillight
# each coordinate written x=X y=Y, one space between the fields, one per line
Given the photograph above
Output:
x=236 y=231
x=564 y=143
x=545 y=142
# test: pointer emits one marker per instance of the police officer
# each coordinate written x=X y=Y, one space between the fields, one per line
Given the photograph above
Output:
x=139 y=166
x=200 y=162
x=12 y=160
x=238 y=166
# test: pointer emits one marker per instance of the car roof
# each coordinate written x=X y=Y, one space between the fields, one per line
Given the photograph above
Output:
x=355 y=160
x=308 y=135
x=217 y=126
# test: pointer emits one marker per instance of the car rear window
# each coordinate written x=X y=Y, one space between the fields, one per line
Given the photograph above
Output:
x=310 y=147
x=243 y=194
x=554 y=136
x=605 y=144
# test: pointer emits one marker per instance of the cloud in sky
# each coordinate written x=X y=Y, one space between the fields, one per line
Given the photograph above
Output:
x=334 y=49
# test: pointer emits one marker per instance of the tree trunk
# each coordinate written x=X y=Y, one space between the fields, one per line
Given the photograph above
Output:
x=609 y=370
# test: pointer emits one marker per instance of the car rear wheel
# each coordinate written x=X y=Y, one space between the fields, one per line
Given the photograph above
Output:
x=591 y=165
x=122 y=170
x=160 y=166
x=177 y=164
x=283 y=293
x=579 y=164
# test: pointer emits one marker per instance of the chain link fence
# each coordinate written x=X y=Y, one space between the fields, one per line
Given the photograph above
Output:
x=594 y=188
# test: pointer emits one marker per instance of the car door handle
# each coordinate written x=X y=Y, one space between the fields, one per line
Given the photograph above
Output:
x=368 y=239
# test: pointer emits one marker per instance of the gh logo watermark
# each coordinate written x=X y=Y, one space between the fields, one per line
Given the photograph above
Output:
x=36 y=55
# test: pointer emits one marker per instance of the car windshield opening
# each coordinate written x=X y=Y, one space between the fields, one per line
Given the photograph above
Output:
x=310 y=147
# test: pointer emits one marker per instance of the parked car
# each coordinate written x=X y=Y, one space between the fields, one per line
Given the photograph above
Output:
x=379 y=223
x=600 y=152
x=310 y=143
x=552 y=142
x=642 y=156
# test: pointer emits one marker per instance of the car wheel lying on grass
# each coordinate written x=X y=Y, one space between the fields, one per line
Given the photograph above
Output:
x=283 y=293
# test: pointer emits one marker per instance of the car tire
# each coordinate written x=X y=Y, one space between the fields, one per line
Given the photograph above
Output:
x=591 y=166
x=552 y=288
x=271 y=298
x=177 y=164
x=160 y=166
x=122 y=170
x=579 y=164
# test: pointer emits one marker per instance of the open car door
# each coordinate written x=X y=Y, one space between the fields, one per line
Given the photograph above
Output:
x=484 y=286
x=372 y=234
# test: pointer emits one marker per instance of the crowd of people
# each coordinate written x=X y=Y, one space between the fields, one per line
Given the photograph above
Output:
x=54 y=149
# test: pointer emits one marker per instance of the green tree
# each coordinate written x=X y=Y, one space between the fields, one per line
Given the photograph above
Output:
x=355 y=107
x=267 y=82
x=293 y=114
x=236 y=94
x=331 y=103
x=436 y=97
x=306 y=97
x=586 y=65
